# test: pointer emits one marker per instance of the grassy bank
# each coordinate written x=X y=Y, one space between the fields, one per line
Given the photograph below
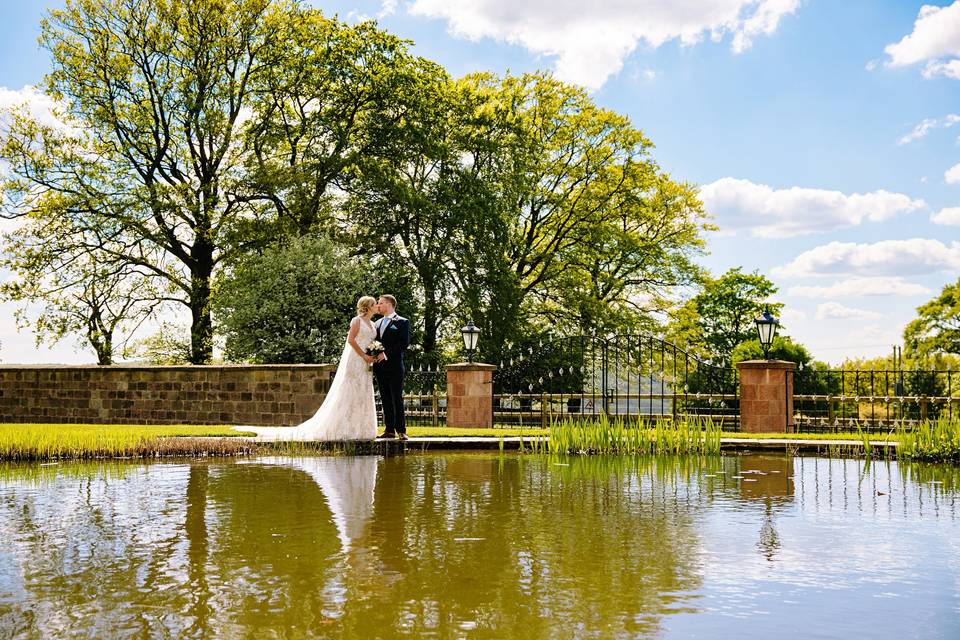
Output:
x=84 y=441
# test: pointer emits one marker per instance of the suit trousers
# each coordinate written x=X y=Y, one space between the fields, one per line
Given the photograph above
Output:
x=390 y=383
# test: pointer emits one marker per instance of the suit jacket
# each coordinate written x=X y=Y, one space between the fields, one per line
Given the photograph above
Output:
x=395 y=340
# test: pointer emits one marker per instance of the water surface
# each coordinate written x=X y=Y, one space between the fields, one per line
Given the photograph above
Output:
x=479 y=545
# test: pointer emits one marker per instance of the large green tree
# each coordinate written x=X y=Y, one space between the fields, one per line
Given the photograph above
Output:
x=592 y=233
x=155 y=93
x=721 y=315
x=937 y=326
x=420 y=203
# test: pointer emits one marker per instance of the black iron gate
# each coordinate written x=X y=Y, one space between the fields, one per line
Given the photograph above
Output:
x=630 y=376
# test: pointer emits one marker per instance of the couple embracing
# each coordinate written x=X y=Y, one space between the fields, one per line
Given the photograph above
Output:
x=372 y=349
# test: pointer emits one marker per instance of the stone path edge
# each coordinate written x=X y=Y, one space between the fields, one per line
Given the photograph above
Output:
x=512 y=443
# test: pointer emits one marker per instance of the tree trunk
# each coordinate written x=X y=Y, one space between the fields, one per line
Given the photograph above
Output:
x=430 y=322
x=104 y=349
x=201 y=327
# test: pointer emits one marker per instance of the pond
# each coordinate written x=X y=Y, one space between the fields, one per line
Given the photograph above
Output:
x=480 y=545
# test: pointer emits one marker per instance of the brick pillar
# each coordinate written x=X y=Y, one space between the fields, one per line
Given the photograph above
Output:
x=766 y=396
x=470 y=394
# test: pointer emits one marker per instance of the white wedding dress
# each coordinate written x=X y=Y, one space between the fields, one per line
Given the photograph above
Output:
x=348 y=412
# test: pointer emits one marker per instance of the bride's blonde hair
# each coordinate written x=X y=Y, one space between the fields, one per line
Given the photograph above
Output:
x=364 y=304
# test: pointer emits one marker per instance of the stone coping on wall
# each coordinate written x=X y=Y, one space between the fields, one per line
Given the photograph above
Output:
x=471 y=366
x=767 y=364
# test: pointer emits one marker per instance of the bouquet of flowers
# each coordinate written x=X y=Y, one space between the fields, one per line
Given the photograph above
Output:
x=374 y=349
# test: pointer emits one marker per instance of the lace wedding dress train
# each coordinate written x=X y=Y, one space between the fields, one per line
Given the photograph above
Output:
x=348 y=412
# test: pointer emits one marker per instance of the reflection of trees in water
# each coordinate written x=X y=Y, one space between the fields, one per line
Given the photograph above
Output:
x=523 y=548
x=97 y=553
x=271 y=542
x=198 y=548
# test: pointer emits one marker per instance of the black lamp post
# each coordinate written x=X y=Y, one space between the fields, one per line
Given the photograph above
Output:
x=471 y=333
x=767 y=329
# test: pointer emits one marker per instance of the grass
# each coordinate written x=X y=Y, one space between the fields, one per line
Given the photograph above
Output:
x=29 y=442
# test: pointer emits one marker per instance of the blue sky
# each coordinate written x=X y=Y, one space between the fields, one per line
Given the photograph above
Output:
x=820 y=131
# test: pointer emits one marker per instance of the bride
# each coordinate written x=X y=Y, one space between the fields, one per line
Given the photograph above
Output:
x=348 y=412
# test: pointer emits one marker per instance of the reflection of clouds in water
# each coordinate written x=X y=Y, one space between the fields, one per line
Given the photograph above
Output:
x=347 y=483
x=74 y=528
x=823 y=552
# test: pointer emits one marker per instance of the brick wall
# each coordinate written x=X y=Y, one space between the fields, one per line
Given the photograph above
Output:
x=279 y=395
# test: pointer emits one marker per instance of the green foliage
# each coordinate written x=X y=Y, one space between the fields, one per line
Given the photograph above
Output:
x=197 y=133
x=584 y=231
x=722 y=315
x=933 y=441
x=83 y=292
x=330 y=101
x=291 y=303
x=168 y=345
x=782 y=348
x=937 y=326
x=146 y=163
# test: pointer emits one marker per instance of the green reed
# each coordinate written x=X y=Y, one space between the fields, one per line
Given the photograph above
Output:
x=932 y=440
x=603 y=435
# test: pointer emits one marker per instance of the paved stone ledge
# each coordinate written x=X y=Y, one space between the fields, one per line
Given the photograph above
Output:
x=512 y=443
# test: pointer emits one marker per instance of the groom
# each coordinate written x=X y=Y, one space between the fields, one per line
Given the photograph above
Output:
x=393 y=332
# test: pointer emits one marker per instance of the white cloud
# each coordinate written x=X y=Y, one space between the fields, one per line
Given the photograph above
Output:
x=886 y=258
x=645 y=74
x=796 y=211
x=836 y=311
x=869 y=286
x=39 y=105
x=949 y=216
x=387 y=8
x=356 y=17
x=952 y=175
x=591 y=41
x=789 y=314
x=935 y=41
x=927 y=125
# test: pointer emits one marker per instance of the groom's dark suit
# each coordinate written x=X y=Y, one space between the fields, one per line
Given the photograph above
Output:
x=394 y=334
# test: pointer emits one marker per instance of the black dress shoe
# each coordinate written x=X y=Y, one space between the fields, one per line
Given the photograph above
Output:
x=386 y=436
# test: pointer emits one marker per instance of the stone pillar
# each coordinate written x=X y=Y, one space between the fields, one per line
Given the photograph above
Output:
x=470 y=394
x=766 y=396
